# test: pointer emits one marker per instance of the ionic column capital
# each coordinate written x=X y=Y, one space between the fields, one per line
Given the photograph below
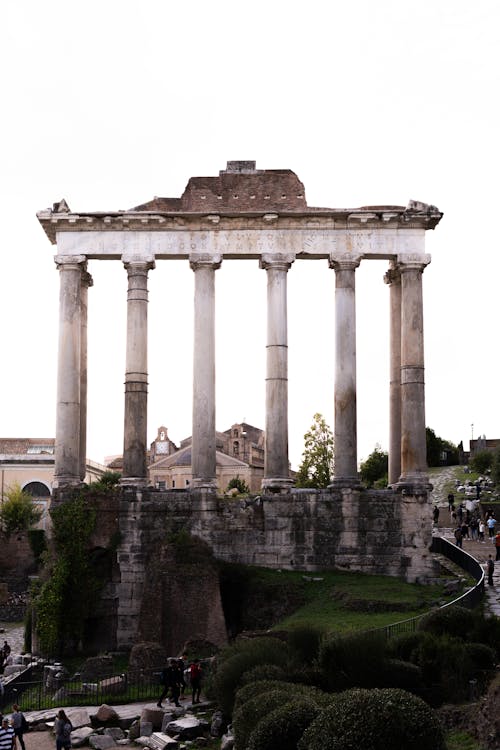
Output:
x=70 y=262
x=349 y=263
x=205 y=260
x=138 y=266
x=413 y=262
x=279 y=261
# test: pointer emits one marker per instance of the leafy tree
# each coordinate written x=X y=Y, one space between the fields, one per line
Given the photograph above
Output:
x=18 y=511
x=481 y=462
x=316 y=469
x=238 y=484
x=495 y=467
x=375 y=467
x=436 y=446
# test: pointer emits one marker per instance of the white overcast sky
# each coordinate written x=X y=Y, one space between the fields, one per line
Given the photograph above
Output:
x=110 y=103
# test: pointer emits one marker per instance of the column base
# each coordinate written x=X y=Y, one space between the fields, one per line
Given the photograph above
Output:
x=133 y=482
x=338 y=483
x=67 y=481
x=414 y=482
x=204 y=484
x=277 y=484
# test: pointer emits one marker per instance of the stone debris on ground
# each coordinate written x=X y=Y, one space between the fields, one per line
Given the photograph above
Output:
x=134 y=725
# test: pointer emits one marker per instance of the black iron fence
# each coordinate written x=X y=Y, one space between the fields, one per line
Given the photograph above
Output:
x=37 y=693
x=470 y=599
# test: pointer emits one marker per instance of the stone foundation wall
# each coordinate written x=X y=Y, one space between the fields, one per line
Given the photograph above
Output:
x=383 y=532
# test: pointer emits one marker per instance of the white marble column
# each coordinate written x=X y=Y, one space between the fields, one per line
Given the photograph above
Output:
x=393 y=278
x=276 y=465
x=413 y=442
x=67 y=449
x=136 y=374
x=203 y=442
x=84 y=295
x=345 y=430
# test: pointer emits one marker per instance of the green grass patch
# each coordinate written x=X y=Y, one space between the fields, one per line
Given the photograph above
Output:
x=462 y=741
x=343 y=601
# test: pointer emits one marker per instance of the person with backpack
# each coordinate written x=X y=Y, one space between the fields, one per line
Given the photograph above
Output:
x=195 y=673
x=63 y=729
x=19 y=724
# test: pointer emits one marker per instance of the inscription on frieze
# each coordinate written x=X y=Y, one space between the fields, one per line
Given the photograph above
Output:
x=180 y=242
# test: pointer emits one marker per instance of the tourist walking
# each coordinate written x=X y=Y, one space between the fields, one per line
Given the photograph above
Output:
x=195 y=673
x=7 y=736
x=491 y=523
x=63 y=729
x=490 y=567
x=481 y=530
x=19 y=724
x=170 y=681
x=451 y=500
x=458 y=536
x=497 y=545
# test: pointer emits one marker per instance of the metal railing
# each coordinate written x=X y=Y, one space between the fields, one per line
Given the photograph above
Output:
x=470 y=599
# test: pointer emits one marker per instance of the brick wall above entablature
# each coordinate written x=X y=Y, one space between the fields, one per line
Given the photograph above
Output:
x=240 y=214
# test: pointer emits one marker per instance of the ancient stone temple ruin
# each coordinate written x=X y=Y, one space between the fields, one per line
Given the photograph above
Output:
x=250 y=214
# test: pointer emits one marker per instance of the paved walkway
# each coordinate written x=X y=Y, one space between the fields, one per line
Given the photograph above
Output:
x=478 y=550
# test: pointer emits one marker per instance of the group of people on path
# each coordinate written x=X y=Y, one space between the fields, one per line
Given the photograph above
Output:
x=12 y=731
x=471 y=525
x=178 y=675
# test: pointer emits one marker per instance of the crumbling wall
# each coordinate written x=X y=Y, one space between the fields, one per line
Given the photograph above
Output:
x=385 y=532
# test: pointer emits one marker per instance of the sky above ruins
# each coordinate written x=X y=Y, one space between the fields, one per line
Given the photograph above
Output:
x=109 y=104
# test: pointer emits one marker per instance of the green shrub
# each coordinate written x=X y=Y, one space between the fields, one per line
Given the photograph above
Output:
x=304 y=642
x=402 y=674
x=243 y=657
x=249 y=714
x=453 y=621
x=18 y=512
x=378 y=719
x=263 y=672
x=486 y=629
x=282 y=728
x=481 y=656
x=354 y=660
x=259 y=687
x=404 y=646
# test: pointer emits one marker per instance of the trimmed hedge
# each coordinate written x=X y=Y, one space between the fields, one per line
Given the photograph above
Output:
x=242 y=658
x=263 y=672
x=248 y=715
x=452 y=621
x=378 y=719
x=355 y=660
x=282 y=728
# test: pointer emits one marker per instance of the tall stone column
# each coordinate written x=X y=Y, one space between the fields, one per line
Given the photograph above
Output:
x=203 y=445
x=393 y=278
x=67 y=450
x=84 y=295
x=413 y=442
x=276 y=468
x=136 y=374
x=345 y=430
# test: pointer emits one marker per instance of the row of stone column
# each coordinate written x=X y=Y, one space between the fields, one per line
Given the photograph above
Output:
x=407 y=413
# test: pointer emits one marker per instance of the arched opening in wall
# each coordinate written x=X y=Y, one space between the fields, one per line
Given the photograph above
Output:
x=37 y=489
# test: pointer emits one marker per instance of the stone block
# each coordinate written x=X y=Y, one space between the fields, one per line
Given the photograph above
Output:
x=101 y=741
x=79 y=717
x=160 y=740
x=116 y=733
x=106 y=713
x=80 y=736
